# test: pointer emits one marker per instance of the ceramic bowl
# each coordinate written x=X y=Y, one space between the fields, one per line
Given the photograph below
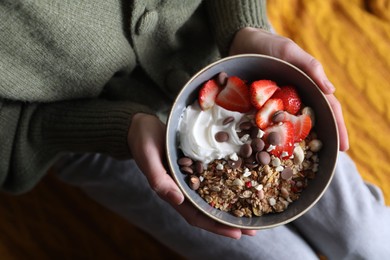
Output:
x=254 y=67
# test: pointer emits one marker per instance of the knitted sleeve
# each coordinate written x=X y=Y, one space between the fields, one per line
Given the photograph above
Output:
x=228 y=16
x=33 y=135
x=55 y=59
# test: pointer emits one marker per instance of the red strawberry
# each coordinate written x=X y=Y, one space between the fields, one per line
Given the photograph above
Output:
x=285 y=147
x=208 y=93
x=234 y=96
x=291 y=100
x=263 y=117
x=261 y=91
x=302 y=125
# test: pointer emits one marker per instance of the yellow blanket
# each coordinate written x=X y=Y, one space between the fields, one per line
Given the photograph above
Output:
x=351 y=38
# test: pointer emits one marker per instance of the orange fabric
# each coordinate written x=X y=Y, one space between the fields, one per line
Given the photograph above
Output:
x=351 y=38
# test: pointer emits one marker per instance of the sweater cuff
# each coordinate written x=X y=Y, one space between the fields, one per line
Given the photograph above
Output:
x=229 y=16
x=99 y=126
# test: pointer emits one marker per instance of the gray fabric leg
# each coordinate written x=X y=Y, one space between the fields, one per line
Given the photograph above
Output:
x=121 y=187
x=351 y=220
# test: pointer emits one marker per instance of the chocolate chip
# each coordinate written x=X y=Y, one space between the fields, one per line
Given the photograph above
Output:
x=279 y=116
x=254 y=131
x=222 y=78
x=198 y=167
x=246 y=150
x=274 y=138
x=235 y=164
x=246 y=125
x=194 y=182
x=251 y=165
x=251 y=162
x=222 y=136
x=251 y=159
x=184 y=161
x=287 y=173
x=186 y=170
x=228 y=120
x=263 y=157
x=242 y=133
x=257 y=144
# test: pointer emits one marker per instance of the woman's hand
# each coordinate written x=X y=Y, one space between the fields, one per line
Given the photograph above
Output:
x=146 y=140
x=251 y=40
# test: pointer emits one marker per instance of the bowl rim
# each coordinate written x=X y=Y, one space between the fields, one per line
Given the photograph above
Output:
x=169 y=128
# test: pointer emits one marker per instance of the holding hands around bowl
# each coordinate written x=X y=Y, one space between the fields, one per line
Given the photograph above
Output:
x=146 y=136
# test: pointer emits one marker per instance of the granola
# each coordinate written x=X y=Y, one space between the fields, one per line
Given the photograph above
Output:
x=258 y=189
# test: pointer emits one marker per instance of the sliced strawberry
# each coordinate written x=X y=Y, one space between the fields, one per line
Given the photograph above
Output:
x=291 y=99
x=261 y=91
x=208 y=93
x=234 y=96
x=302 y=125
x=263 y=116
x=285 y=147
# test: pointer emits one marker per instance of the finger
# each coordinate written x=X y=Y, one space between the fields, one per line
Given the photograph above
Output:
x=249 y=232
x=158 y=178
x=343 y=133
x=292 y=53
x=149 y=160
x=166 y=188
x=195 y=218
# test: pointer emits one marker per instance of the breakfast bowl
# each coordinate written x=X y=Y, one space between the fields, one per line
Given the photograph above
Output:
x=316 y=174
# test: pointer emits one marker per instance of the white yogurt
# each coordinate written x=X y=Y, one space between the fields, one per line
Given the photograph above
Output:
x=197 y=129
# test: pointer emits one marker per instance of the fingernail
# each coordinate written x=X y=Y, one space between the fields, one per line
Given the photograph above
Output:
x=175 y=197
x=329 y=86
x=251 y=233
x=236 y=236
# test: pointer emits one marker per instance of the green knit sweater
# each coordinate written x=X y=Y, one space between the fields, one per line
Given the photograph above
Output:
x=72 y=73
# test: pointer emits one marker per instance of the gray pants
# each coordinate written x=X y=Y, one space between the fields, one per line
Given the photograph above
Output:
x=349 y=222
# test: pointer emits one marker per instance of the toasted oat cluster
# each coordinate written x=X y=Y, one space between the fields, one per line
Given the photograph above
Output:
x=251 y=188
